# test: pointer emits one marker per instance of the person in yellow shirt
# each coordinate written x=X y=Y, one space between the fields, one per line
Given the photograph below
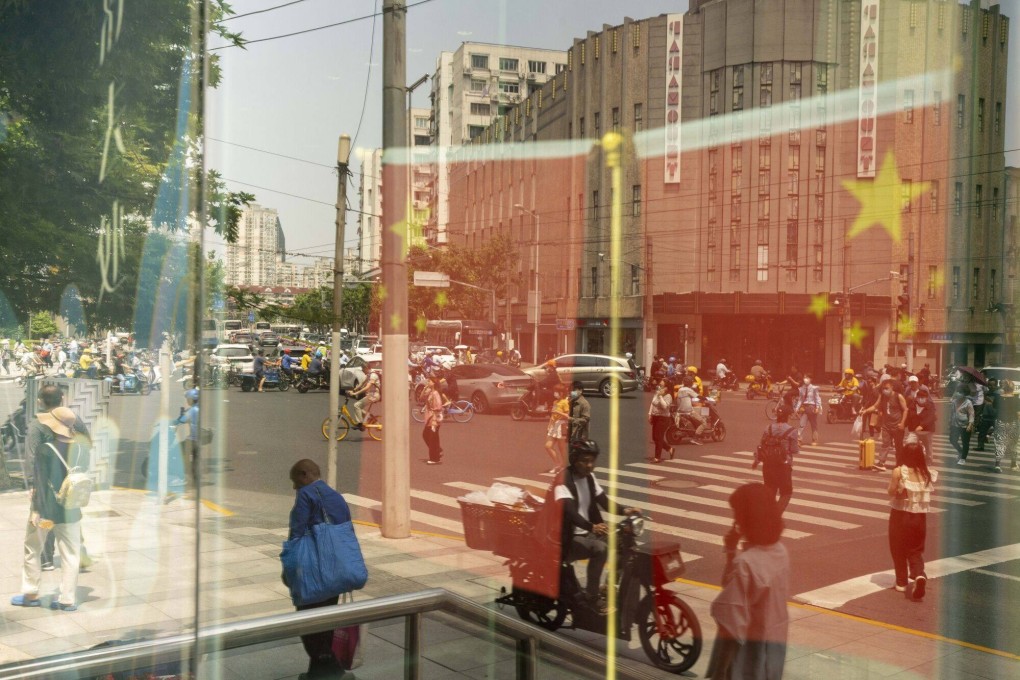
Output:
x=86 y=362
x=306 y=359
x=850 y=387
x=697 y=386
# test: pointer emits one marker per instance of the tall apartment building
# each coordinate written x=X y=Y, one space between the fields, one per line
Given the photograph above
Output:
x=791 y=169
x=371 y=187
x=470 y=88
x=251 y=261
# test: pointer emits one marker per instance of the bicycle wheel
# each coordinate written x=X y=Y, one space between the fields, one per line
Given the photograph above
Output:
x=342 y=428
x=418 y=413
x=770 y=409
x=462 y=411
x=374 y=427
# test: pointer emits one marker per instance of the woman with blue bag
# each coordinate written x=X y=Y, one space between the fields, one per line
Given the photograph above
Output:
x=321 y=558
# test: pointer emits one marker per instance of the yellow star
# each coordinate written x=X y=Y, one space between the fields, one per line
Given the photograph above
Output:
x=441 y=299
x=819 y=305
x=855 y=334
x=420 y=324
x=905 y=326
x=381 y=292
x=882 y=199
x=395 y=319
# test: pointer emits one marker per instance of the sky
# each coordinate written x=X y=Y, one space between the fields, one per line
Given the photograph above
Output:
x=294 y=96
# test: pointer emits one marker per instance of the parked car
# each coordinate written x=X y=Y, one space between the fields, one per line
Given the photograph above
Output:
x=237 y=356
x=365 y=344
x=597 y=372
x=491 y=386
x=357 y=369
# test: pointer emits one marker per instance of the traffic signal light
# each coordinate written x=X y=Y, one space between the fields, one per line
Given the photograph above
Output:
x=903 y=306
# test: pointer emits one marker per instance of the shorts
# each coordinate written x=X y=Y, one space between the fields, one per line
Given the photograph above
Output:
x=557 y=429
x=778 y=477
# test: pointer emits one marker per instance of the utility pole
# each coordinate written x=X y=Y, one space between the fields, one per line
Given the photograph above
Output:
x=396 y=486
x=343 y=157
x=909 y=287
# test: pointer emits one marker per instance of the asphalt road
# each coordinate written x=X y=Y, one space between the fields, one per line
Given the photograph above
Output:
x=836 y=525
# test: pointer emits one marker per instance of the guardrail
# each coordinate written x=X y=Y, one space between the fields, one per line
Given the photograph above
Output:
x=531 y=641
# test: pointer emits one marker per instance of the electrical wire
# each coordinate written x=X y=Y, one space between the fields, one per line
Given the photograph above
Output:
x=259 y=11
x=368 y=77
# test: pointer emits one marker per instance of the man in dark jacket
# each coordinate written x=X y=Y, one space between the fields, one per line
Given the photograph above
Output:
x=921 y=420
x=580 y=413
x=313 y=499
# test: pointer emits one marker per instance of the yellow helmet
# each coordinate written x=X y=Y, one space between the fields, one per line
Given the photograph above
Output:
x=692 y=369
x=849 y=371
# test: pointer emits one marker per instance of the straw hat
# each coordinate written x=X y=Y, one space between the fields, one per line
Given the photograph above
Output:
x=61 y=420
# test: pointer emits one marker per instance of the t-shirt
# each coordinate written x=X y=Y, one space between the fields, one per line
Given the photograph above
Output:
x=260 y=364
x=562 y=493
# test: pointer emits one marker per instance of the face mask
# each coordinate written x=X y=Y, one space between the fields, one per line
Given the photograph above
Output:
x=575 y=394
x=807 y=381
x=922 y=400
x=887 y=392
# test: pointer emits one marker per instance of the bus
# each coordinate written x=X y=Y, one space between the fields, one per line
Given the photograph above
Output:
x=210 y=333
x=230 y=326
x=452 y=332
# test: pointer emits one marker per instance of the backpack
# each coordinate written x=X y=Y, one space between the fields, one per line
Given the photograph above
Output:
x=770 y=449
x=76 y=489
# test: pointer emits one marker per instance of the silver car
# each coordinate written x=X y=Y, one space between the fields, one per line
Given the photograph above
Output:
x=491 y=386
x=597 y=372
x=237 y=356
x=357 y=369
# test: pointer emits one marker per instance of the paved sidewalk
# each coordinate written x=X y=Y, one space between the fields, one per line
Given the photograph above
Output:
x=142 y=585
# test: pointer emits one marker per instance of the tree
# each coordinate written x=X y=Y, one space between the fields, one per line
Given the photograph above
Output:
x=43 y=325
x=66 y=121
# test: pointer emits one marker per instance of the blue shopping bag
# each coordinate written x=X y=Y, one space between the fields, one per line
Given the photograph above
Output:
x=323 y=563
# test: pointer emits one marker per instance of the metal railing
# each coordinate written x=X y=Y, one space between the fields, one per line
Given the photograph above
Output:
x=531 y=641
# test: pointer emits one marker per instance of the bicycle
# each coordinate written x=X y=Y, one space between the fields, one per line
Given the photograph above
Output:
x=345 y=422
x=461 y=411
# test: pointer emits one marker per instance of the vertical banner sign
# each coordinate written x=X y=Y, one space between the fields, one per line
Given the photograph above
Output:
x=867 y=113
x=674 y=60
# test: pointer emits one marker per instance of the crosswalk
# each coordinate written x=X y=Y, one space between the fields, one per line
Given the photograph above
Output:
x=688 y=498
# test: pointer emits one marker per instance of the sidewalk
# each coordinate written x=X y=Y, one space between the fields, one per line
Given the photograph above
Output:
x=142 y=585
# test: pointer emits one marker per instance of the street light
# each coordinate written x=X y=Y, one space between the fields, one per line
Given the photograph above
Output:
x=538 y=295
x=343 y=157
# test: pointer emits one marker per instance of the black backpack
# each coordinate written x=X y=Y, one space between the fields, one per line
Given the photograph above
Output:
x=771 y=449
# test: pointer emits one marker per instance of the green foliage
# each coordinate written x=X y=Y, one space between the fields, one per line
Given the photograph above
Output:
x=43 y=325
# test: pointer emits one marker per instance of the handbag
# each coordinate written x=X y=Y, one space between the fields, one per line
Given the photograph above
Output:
x=76 y=489
x=347 y=642
x=858 y=427
x=324 y=562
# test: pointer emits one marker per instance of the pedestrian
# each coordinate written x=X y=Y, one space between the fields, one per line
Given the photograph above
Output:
x=921 y=421
x=580 y=413
x=986 y=415
x=808 y=405
x=260 y=369
x=5 y=356
x=891 y=408
x=869 y=393
x=315 y=502
x=775 y=454
x=433 y=420
x=1006 y=431
x=750 y=610
x=660 y=418
x=556 y=433
x=913 y=385
x=52 y=433
x=961 y=424
x=189 y=446
x=910 y=488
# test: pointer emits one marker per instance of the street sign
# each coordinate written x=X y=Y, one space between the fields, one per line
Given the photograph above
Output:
x=251 y=316
x=218 y=304
x=566 y=324
x=432 y=279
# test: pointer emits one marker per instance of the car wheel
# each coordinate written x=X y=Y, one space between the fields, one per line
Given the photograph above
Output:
x=609 y=388
x=480 y=403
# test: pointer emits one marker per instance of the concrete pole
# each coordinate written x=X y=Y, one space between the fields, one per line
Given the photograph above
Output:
x=343 y=155
x=910 y=301
x=538 y=291
x=164 y=420
x=396 y=486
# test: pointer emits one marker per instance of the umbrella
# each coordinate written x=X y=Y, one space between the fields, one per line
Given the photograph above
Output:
x=973 y=373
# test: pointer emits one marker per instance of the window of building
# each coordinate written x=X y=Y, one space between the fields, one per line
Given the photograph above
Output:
x=570 y=129
x=639 y=121
x=508 y=64
x=992 y=275
x=738 y=76
x=764 y=210
x=477 y=85
x=536 y=66
x=820 y=154
x=995 y=204
x=765 y=96
x=981 y=115
x=560 y=68
x=961 y=106
x=794 y=159
x=908 y=103
x=509 y=88
x=763 y=230
x=635 y=200
x=595 y=204
x=793 y=178
x=763 y=182
x=479 y=61
x=936 y=107
x=475 y=130
x=975 y=283
x=998 y=117
x=956 y=284
x=764 y=156
x=734 y=262
x=596 y=124
x=616 y=118
x=635 y=36
x=480 y=109
x=905 y=188
x=763 y=263
x=817 y=273
x=978 y=199
x=795 y=72
x=580 y=126
x=795 y=92
x=713 y=103
x=766 y=73
x=958 y=198
x=934 y=196
x=713 y=80
x=738 y=99
x=933 y=277
x=794 y=204
x=820 y=206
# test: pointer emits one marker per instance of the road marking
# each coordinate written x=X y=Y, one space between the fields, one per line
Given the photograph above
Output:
x=416 y=516
x=724 y=520
x=635 y=475
x=838 y=594
x=987 y=572
x=217 y=508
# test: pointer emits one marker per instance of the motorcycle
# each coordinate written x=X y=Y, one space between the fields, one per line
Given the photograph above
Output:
x=762 y=388
x=274 y=378
x=526 y=407
x=308 y=381
x=684 y=428
x=730 y=382
x=132 y=382
x=841 y=409
x=667 y=627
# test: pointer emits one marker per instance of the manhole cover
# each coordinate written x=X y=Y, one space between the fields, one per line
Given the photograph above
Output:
x=675 y=484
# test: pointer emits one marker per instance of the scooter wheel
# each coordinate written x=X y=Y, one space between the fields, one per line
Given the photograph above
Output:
x=302 y=387
x=669 y=631
x=829 y=417
x=518 y=411
x=542 y=611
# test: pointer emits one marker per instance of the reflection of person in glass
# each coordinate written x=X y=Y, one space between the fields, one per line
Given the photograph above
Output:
x=315 y=498
x=751 y=608
x=189 y=416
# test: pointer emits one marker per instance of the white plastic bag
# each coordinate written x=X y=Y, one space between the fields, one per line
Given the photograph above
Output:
x=505 y=494
x=476 y=497
x=857 y=428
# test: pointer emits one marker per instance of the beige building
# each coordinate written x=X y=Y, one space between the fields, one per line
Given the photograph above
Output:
x=252 y=259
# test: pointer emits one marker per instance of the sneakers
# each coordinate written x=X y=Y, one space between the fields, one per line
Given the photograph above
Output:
x=433 y=462
x=878 y=467
x=961 y=461
x=998 y=469
x=920 y=585
x=899 y=589
x=48 y=566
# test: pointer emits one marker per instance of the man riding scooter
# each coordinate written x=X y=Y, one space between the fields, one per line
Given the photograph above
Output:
x=850 y=388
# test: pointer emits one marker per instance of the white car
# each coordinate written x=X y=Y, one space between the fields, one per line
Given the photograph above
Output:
x=445 y=356
x=354 y=373
x=365 y=345
x=235 y=355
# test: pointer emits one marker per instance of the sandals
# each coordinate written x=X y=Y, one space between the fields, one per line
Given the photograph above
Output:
x=22 y=601
x=59 y=606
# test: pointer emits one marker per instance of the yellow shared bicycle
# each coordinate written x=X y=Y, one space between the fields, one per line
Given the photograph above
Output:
x=346 y=421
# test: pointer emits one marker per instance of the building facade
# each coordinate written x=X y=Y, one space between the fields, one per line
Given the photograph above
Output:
x=251 y=260
x=825 y=172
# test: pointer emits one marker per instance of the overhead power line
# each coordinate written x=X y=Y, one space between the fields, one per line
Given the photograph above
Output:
x=259 y=11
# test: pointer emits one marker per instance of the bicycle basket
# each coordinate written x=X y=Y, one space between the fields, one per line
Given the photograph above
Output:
x=479 y=530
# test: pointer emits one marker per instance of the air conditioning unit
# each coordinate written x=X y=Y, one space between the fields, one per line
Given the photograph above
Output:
x=468 y=70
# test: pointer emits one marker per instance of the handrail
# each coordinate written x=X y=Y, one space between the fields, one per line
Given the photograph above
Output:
x=531 y=639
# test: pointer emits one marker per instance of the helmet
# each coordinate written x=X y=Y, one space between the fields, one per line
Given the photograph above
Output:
x=286 y=351
x=629 y=355
x=499 y=354
x=849 y=371
x=551 y=363
x=192 y=394
x=692 y=369
x=322 y=343
x=672 y=360
x=723 y=361
x=583 y=447
x=758 y=362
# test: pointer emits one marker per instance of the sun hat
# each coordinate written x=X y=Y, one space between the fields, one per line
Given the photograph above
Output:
x=61 y=420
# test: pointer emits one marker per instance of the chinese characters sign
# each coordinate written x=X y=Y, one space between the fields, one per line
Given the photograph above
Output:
x=671 y=129
x=868 y=94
